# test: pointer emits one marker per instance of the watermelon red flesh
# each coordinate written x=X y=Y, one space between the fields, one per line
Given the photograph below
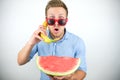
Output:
x=54 y=65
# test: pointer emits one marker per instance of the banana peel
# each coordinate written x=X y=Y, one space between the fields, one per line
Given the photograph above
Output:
x=45 y=37
x=45 y=24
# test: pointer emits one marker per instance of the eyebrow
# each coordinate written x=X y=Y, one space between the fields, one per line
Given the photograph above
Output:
x=60 y=16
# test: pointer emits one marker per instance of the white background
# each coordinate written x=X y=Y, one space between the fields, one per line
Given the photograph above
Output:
x=97 y=22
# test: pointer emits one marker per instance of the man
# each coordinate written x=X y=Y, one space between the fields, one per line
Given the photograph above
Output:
x=68 y=44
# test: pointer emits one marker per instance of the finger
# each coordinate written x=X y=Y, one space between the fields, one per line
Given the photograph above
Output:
x=59 y=77
x=43 y=29
x=51 y=77
x=41 y=32
x=38 y=32
x=67 y=77
x=41 y=26
x=38 y=37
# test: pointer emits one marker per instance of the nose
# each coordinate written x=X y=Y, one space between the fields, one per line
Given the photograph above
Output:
x=56 y=23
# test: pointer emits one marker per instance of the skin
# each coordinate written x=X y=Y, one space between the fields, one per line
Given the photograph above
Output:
x=56 y=13
x=23 y=55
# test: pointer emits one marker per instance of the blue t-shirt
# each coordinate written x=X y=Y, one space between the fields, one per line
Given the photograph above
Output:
x=70 y=45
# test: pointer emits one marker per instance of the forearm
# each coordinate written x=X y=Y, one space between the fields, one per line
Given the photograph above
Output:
x=23 y=55
x=78 y=75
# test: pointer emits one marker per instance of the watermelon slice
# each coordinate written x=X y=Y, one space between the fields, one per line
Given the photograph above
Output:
x=57 y=66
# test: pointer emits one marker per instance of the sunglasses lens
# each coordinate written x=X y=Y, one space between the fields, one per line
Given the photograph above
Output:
x=62 y=22
x=51 y=21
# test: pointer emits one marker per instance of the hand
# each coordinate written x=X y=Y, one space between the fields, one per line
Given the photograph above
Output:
x=52 y=77
x=35 y=38
x=67 y=77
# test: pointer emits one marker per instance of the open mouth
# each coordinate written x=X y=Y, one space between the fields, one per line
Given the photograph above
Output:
x=56 y=29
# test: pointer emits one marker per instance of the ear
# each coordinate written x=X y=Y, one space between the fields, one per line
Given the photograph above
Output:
x=46 y=19
x=66 y=19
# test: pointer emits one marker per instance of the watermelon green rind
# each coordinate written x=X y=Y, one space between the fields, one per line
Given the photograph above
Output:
x=58 y=73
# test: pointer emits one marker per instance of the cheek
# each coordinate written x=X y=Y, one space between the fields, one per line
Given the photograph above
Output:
x=62 y=28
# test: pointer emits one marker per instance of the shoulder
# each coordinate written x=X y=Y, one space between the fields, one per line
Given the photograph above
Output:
x=74 y=37
x=76 y=41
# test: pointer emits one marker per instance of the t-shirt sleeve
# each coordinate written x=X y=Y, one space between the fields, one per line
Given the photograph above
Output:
x=80 y=53
x=33 y=51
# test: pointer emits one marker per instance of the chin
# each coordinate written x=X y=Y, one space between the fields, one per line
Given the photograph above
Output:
x=56 y=36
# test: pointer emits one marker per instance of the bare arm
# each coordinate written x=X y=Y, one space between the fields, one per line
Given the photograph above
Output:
x=24 y=53
x=78 y=75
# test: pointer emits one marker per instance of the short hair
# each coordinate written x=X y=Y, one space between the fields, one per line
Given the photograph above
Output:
x=56 y=3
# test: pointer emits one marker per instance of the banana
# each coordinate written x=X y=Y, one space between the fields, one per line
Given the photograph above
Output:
x=45 y=37
x=45 y=24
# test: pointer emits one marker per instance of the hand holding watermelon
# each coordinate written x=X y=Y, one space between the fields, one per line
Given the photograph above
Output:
x=67 y=77
x=59 y=67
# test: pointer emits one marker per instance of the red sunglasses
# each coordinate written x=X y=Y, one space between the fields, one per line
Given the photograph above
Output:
x=61 y=22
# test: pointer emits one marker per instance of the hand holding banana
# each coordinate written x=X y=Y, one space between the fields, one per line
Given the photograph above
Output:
x=45 y=37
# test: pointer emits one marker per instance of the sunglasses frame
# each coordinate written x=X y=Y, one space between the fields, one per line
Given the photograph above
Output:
x=57 y=20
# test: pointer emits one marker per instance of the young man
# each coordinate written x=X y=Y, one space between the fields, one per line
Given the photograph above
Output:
x=67 y=45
